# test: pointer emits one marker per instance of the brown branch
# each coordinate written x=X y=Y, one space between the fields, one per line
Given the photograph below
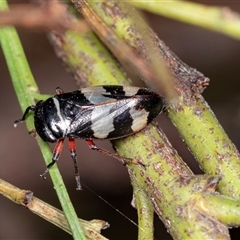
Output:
x=126 y=55
x=50 y=16
x=55 y=216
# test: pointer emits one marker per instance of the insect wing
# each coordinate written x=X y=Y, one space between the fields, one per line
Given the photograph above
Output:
x=109 y=120
x=105 y=94
x=108 y=112
x=116 y=111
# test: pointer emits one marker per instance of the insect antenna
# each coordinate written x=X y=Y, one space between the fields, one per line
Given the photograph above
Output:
x=109 y=204
x=32 y=108
x=113 y=207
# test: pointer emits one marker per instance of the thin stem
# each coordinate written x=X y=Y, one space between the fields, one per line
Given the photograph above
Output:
x=24 y=85
x=215 y=18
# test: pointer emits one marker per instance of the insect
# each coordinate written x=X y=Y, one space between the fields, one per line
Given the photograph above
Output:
x=99 y=112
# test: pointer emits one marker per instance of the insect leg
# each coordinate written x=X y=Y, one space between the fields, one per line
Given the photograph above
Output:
x=56 y=154
x=32 y=108
x=72 y=149
x=124 y=160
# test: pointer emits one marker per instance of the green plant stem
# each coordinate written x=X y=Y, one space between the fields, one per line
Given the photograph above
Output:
x=213 y=150
x=145 y=212
x=210 y=145
x=214 y=18
x=225 y=209
x=90 y=65
x=96 y=66
x=172 y=188
x=167 y=181
x=38 y=96
x=24 y=84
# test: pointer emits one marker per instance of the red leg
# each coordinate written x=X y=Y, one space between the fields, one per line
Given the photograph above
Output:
x=56 y=154
x=124 y=160
x=72 y=149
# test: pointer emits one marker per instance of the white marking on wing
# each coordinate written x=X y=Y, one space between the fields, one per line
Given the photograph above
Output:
x=104 y=125
x=140 y=118
x=130 y=91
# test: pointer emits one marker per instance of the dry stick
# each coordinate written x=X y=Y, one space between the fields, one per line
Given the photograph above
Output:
x=51 y=16
x=44 y=210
